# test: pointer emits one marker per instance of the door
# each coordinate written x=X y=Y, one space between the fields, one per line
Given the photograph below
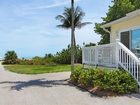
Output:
x=125 y=38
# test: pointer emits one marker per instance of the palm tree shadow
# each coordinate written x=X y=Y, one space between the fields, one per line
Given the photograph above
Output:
x=20 y=85
x=135 y=95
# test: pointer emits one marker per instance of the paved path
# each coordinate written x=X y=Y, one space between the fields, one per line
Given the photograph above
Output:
x=50 y=89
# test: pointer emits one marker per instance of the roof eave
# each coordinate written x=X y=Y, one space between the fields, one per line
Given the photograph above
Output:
x=129 y=15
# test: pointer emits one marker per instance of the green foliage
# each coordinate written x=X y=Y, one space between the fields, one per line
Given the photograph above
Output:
x=98 y=77
x=119 y=9
x=24 y=62
x=112 y=80
x=75 y=75
x=90 y=44
x=36 y=61
x=85 y=78
x=119 y=81
x=10 y=57
x=137 y=4
x=105 y=37
x=66 y=23
x=66 y=18
x=64 y=56
x=48 y=56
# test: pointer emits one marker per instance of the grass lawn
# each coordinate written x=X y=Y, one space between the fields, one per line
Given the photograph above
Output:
x=38 y=69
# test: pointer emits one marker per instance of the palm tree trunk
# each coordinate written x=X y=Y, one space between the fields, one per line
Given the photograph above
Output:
x=72 y=36
x=75 y=50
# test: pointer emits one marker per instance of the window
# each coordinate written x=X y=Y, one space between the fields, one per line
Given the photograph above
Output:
x=131 y=39
x=135 y=42
x=125 y=38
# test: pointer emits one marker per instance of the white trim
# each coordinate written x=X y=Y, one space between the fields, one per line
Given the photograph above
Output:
x=130 y=30
x=128 y=16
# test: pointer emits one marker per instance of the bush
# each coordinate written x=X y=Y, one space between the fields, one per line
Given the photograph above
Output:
x=85 y=78
x=24 y=62
x=64 y=56
x=75 y=75
x=114 y=80
x=36 y=61
x=10 y=58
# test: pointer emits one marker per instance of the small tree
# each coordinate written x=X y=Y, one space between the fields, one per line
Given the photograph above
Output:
x=10 y=57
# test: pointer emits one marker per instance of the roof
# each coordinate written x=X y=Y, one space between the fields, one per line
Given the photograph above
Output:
x=128 y=16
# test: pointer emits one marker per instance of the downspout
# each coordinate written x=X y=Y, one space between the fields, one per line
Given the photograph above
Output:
x=106 y=30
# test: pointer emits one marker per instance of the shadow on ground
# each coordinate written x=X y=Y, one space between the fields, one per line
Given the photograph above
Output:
x=137 y=96
x=20 y=85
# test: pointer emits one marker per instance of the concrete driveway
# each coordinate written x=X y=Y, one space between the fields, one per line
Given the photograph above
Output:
x=51 y=89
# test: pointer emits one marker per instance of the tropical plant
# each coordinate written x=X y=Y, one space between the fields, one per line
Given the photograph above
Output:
x=72 y=19
x=89 y=44
x=10 y=57
x=118 y=9
x=65 y=19
x=64 y=56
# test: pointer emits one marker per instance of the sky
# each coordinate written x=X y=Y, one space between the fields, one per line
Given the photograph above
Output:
x=29 y=26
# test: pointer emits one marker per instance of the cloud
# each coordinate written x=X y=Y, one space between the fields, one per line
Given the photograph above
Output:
x=54 y=4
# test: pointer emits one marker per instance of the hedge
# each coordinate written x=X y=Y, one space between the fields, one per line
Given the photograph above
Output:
x=118 y=81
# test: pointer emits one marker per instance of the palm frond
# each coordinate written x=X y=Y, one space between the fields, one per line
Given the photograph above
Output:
x=63 y=26
x=61 y=18
x=80 y=25
x=66 y=18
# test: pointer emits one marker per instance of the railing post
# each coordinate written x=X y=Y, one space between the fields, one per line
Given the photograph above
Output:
x=83 y=56
x=117 y=53
x=96 y=56
x=90 y=56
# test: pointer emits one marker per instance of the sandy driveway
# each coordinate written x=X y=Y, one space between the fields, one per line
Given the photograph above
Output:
x=50 y=89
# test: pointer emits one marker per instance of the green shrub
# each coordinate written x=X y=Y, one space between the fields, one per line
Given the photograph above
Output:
x=10 y=57
x=75 y=75
x=114 y=80
x=119 y=81
x=86 y=78
x=36 y=61
x=24 y=62
x=98 y=77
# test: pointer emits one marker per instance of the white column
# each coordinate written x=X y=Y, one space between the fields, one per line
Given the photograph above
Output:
x=117 y=53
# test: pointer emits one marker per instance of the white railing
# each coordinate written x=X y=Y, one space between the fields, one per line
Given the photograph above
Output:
x=128 y=61
x=112 y=55
x=102 y=55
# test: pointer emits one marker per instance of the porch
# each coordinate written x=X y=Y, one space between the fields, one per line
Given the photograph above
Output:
x=112 y=55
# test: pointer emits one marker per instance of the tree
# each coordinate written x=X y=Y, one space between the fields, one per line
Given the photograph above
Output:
x=72 y=35
x=48 y=55
x=10 y=57
x=64 y=56
x=65 y=19
x=137 y=4
x=72 y=19
x=89 y=44
x=119 y=9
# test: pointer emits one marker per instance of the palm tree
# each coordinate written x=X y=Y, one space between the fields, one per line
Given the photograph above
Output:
x=66 y=17
x=10 y=57
x=72 y=35
x=72 y=23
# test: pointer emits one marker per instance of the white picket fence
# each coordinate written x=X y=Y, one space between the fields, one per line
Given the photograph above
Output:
x=112 y=55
